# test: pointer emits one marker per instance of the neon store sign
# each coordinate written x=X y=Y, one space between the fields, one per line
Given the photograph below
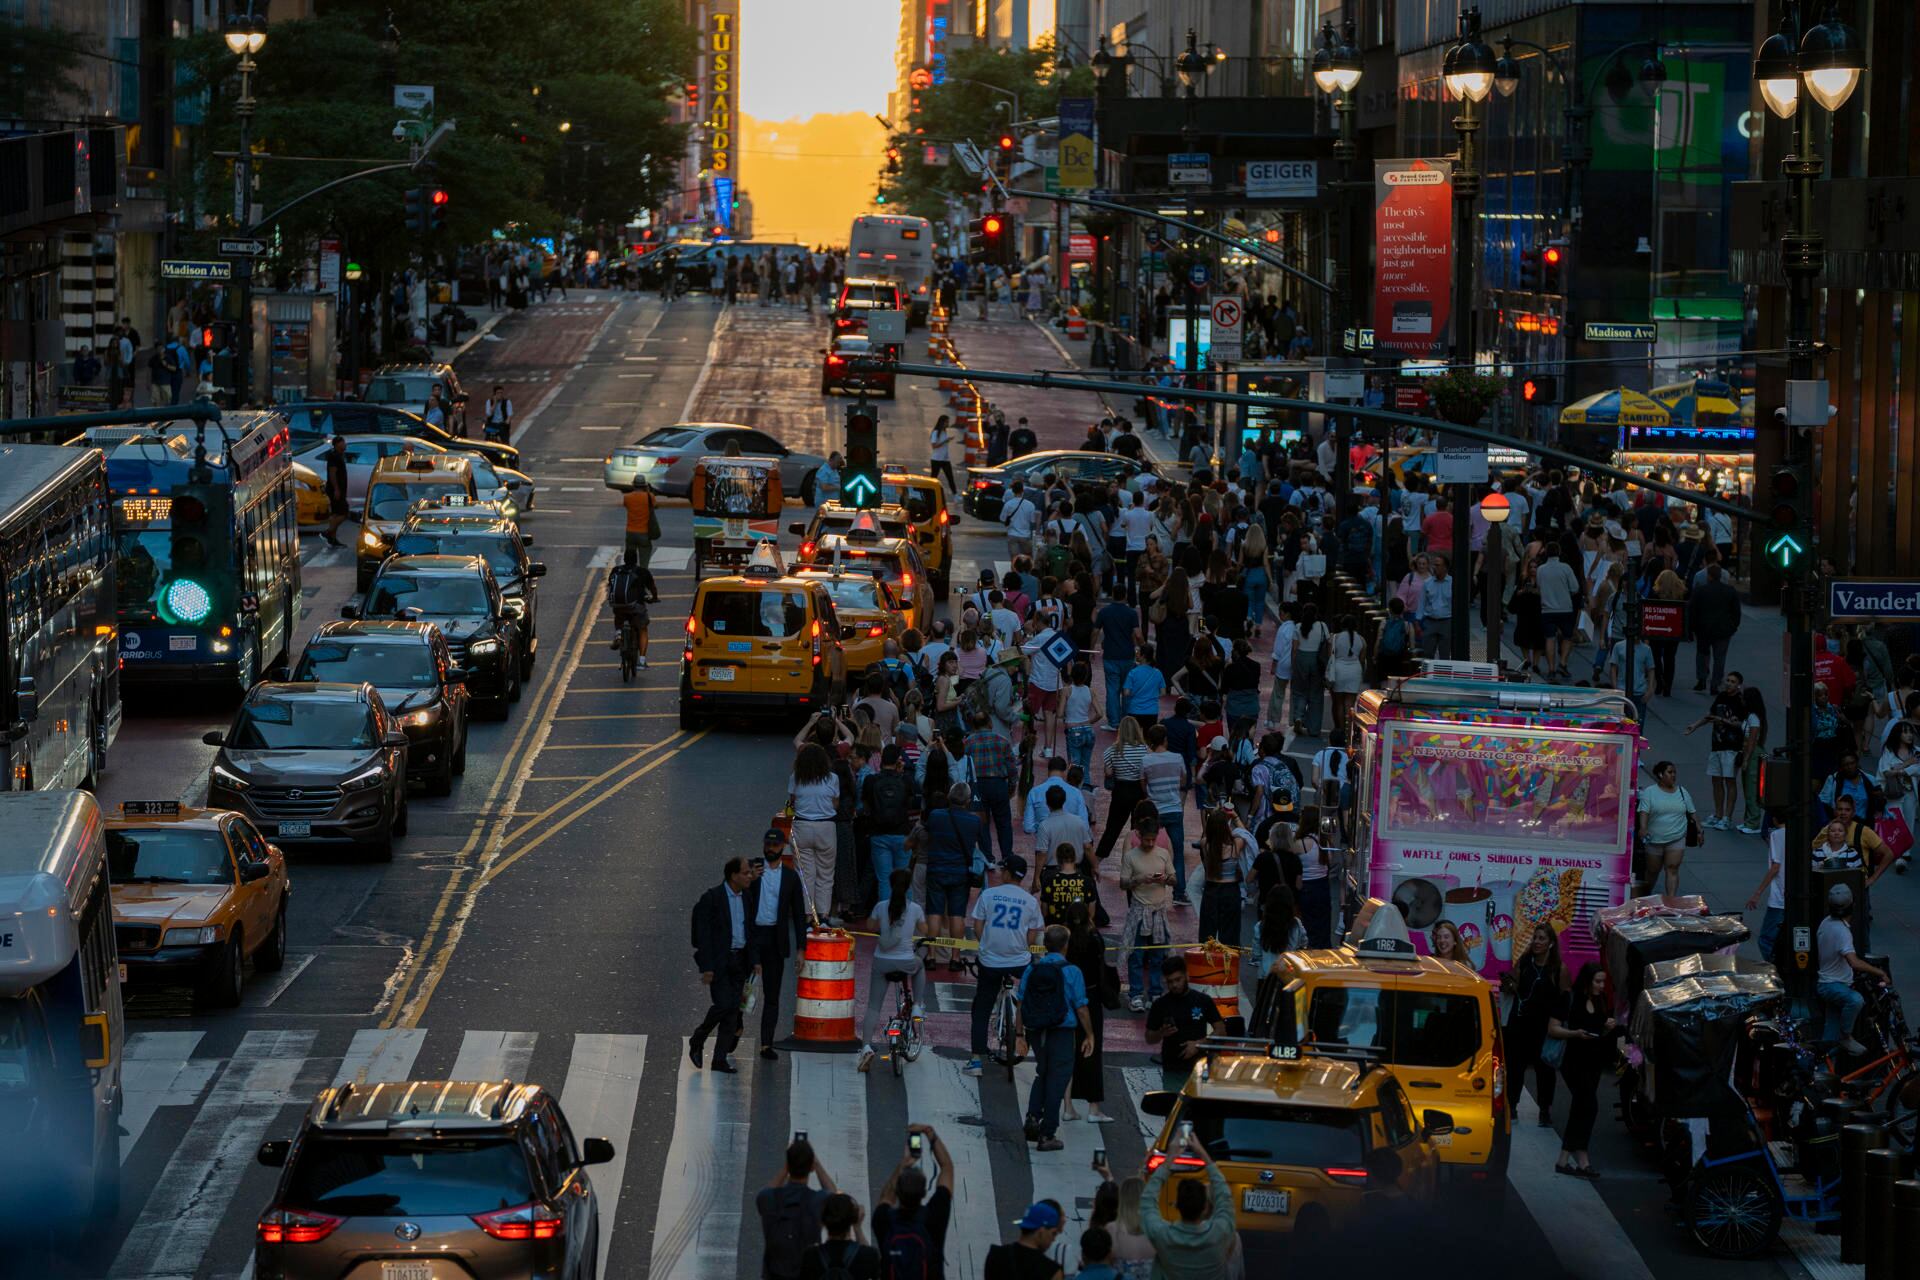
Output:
x=722 y=29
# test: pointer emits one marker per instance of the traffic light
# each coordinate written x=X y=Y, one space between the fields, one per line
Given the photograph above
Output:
x=196 y=566
x=1552 y=258
x=988 y=238
x=860 y=479
x=1539 y=389
x=1006 y=144
x=416 y=209
x=1789 y=536
x=437 y=209
x=1529 y=271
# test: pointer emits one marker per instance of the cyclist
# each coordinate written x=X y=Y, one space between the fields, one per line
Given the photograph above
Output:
x=1009 y=920
x=630 y=588
x=898 y=921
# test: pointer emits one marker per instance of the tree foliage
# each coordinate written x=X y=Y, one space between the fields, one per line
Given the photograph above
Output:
x=508 y=72
x=959 y=111
x=38 y=67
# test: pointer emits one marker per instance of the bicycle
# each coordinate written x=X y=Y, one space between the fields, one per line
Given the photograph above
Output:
x=903 y=1042
x=629 y=650
x=1004 y=1041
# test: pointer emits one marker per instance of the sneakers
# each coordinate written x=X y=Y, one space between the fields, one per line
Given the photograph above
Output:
x=1050 y=1144
x=972 y=1068
x=866 y=1057
x=1138 y=1004
x=1748 y=831
x=642 y=661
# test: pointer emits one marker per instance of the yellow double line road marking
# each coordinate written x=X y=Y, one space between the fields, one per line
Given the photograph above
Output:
x=413 y=986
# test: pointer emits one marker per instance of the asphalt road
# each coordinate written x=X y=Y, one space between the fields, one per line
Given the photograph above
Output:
x=534 y=924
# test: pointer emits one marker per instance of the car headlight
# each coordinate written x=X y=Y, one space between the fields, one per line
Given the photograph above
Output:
x=228 y=778
x=425 y=715
x=484 y=647
x=365 y=779
x=200 y=937
x=371 y=540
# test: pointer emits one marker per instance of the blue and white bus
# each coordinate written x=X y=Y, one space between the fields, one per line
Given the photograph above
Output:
x=208 y=551
x=60 y=695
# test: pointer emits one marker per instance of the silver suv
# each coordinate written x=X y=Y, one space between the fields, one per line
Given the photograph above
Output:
x=422 y=1180
x=410 y=386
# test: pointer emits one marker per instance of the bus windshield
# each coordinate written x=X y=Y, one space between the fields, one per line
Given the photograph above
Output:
x=382 y=665
x=462 y=596
x=304 y=725
x=393 y=501
x=168 y=855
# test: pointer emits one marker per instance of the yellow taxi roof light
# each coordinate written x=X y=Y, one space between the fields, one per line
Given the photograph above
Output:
x=1386 y=937
x=764 y=560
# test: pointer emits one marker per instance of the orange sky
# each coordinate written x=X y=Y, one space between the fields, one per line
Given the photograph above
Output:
x=809 y=178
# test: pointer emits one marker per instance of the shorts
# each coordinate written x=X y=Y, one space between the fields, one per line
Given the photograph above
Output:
x=1720 y=764
x=1557 y=625
x=1041 y=701
x=948 y=899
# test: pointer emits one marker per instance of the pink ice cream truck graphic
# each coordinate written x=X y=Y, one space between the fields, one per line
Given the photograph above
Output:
x=1493 y=809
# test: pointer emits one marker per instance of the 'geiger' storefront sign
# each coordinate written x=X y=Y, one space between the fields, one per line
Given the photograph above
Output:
x=723 y=38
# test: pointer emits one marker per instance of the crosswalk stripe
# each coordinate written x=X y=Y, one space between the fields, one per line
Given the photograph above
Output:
x=828 y=1102
x=599 y=1097
x=1065 y=1175
x=939 y=1094
x=180 y=1215
x=159 y=1070
x=696 y=1233
x=1140 y=1082
x=377 y=1056
x=494 y=1055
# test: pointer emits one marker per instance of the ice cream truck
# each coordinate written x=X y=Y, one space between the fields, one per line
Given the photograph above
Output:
x=1488 y=808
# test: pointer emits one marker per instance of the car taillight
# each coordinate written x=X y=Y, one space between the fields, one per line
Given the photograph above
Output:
x=875 y=631
x=981 y=484
x=522 y=1222
x=906 y=582
x=291 y=1226
x=806 y=550
x=815 y=633
x=1343 y=1174
x=1157 y=1159
x=693 y=627
x=943 y=517
x=1499 y=1073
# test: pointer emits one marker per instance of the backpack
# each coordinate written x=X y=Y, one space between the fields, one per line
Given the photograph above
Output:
x=975 y=702
x=922 y=677
x=892 y=798
x=623 y=587
x=791 y=1229
x=840 y=1268
x=170 y=358
x=1393 y=636
x=1058 y=562
x=1359 y=542
x=1045 y=1004
x=906 y=1250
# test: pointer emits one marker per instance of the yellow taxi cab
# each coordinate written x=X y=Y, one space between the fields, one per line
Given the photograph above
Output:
x=197 y=893
x=398 y=484
x=1315 y=1141
x=831 y=517
x=924 y=499
x=761 y=641
x=870 y=614
x=453 y=509
x=895 y=561
x=311 y=507
x=1435 y=1022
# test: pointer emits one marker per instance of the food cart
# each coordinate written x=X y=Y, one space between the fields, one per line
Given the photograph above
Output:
x=1706 y=445
x=736 y=506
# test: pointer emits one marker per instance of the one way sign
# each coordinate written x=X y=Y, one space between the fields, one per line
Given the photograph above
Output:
x=243 y=248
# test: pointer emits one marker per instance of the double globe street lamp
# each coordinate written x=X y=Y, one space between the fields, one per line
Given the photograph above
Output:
x=1337 y=70
x=245 y=36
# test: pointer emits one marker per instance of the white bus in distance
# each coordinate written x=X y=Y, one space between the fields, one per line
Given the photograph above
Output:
x=897 y=248
x=61 y=1024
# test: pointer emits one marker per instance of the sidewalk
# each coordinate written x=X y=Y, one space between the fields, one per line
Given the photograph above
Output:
x=1010 y=342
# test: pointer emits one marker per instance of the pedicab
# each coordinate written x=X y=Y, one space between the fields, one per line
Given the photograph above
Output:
x=736 y=507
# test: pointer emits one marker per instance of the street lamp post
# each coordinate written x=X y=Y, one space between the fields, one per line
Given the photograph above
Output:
x=1468 y=73
x=1337 y=70
x=1192 y=67
x=1827 y=64
x=1494 y=509
x=245 y=35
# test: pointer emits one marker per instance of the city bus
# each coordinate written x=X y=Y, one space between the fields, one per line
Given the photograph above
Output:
x=899 y=249
x=61 y=1022
x=60 y=696
x=1495 y=808
x=206 y=532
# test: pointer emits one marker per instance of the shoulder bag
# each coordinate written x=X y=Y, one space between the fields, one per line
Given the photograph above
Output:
x=1695 y=837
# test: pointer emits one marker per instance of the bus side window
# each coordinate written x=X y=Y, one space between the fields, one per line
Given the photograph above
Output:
x=96 y=944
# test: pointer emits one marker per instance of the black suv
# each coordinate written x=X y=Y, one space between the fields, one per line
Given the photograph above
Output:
x=412 y=669
x=320 y=419
x=504 y=548
x=431 y=1178
x=459 y=595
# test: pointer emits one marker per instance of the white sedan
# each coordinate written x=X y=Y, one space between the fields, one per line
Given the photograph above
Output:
x=514 y=489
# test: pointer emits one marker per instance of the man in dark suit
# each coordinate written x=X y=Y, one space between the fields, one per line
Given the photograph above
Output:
x=777 y=925
x=721 y=954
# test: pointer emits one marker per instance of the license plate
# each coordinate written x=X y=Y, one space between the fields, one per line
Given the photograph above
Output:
x=722 y=674
x=406 y=1271
x=295 y=831
x=1255 y=1200
x=183 y=642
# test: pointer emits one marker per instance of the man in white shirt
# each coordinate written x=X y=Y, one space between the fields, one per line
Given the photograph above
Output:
x=1135 y=523
x=1061 y=827
x=1838 y=963
x=1006 y=623
x=1056 y=780
x=1020 y=513
x=1434 y=612
x=1559 y=587
x=1006 y=920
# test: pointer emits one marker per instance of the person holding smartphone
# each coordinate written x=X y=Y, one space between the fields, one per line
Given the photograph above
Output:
x=909 y=1225
x=1583 y=1020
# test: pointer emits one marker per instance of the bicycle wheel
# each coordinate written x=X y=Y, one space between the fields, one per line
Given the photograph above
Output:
x=896 y=1048
x=1902 y=1098
x=1734 y=1210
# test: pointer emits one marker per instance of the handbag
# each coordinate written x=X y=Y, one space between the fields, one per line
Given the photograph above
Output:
x=1892 y=828
x=1695 y=837
x=1312 y=565
x=1553 y=1052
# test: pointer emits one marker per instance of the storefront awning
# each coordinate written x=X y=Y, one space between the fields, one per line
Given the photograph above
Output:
x=1620 y=407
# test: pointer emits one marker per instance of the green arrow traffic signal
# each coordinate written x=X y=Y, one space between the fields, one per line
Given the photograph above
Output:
x=860 y=480
x=861 y=489
x=1785 y=549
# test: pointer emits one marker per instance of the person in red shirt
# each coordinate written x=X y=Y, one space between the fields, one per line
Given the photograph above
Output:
x=1437 y=528
x=1832 y=670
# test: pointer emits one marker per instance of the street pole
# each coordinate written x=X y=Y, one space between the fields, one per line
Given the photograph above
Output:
x=242 y=208
x=1496 y=585
x=1343 y=311
x=1466 y=189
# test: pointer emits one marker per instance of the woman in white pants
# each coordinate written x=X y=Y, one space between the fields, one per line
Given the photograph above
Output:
x=813 y=792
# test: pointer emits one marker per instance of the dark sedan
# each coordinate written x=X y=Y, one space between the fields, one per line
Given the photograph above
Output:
x=853 y=364
x=986 y=486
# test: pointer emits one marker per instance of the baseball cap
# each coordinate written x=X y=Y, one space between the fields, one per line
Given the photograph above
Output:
x=1039 y=1216
x=774 y=836
x=1014 y=864
x=1219 y=742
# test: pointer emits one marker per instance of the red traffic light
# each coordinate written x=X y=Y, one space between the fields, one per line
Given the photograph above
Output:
x=992 y=225
x=1550 y=255
x=1006 y=142
x=439 y=195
